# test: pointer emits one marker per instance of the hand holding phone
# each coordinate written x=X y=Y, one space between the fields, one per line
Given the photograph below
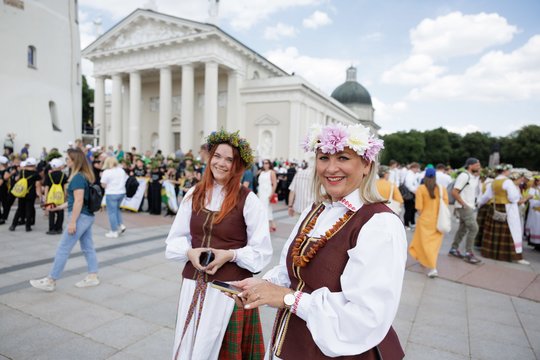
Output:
x=225 y=287
x=206 y=258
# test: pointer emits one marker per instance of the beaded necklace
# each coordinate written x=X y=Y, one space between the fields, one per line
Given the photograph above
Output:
x=303 y=260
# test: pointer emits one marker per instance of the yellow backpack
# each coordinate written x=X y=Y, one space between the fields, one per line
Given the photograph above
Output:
x=20 y=189
x=56 y=192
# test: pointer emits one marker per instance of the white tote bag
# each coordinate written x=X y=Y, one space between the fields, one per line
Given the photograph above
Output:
x=391 y=203
x=444 y=220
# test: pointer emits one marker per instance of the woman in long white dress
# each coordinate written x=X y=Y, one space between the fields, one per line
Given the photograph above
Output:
x=532 y=226
x=267 y=187
x=220 y=215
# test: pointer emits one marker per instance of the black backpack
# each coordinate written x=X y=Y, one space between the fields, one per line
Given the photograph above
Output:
x=95 y=196
x=132 y=184
x=405 y=192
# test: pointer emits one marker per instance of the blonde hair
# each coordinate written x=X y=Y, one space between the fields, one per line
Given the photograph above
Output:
x=367 y=189
x=110 y=163
x=80 y=165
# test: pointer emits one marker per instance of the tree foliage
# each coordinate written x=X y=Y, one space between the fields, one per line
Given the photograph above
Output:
x=87 y=99
x=521 y=148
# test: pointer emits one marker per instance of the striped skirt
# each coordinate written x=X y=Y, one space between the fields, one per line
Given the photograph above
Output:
x=243 y=339
x=480 y=219
x=497 y=240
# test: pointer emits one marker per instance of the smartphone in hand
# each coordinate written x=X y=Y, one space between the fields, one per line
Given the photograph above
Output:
x=206 y=258
x=226 y=287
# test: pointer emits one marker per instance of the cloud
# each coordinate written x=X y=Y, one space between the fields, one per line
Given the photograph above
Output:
x=388 y=116
x=417 y=69
x=278 y=31
x=376 y=36
x=464 y=129
x=243 y=14
x=497 y=76
x=316 y=20
x=325 y=73
x=456 y=34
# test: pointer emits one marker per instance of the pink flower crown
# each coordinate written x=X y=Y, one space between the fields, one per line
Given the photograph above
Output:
x=334 y=138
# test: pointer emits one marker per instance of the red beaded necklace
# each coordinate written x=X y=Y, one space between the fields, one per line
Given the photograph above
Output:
x=303 y=260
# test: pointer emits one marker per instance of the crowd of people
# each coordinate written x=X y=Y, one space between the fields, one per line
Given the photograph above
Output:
x=497 y=209
x=338 y=281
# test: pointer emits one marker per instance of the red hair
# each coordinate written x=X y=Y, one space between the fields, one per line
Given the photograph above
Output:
x=231 y=188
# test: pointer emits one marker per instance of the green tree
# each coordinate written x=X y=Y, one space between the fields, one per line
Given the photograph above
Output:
x=87 y=110
x=404 y=147
x=437 y=148
x=478 y=145
x=522 y=148
x=457 y=153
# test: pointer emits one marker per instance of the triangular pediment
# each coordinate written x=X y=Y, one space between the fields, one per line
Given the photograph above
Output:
x=145 y=27
x=266 y=120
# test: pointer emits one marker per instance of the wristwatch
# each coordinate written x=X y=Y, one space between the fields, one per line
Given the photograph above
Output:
x=289 y=299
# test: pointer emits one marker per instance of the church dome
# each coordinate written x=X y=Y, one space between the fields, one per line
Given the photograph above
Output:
x=351 y=92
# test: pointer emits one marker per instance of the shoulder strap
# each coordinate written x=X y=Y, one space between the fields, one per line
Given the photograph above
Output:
x=391 y=191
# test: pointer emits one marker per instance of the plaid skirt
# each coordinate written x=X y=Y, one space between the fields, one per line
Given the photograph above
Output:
x=497 y=240
x=243 y=339
x=480 y=219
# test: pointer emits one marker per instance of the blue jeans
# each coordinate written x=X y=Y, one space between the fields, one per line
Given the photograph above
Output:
x=113 y=210
x=83 y=233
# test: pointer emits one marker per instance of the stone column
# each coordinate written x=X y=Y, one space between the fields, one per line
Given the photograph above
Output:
x=116 y=111
x=165 y=110
x=210 y=97
x=294 y=136
x=187 y=113
x=233 y=101
x=134 y=111
x=125 y=114
x=99 y=110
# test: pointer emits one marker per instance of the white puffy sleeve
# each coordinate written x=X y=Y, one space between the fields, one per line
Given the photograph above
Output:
x=486 y=196
x=179 y=239
x=358 y=318
x=278 y=274
x=512 y=191
x=258 y=251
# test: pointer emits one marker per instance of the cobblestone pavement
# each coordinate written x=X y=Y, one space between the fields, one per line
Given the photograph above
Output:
x=490 y=311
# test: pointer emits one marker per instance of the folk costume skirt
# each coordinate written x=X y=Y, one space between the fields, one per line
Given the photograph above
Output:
x=497 y=242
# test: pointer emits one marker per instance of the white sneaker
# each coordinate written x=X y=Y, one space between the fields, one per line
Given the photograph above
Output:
x=88 y=281
x=523 y=262
x=45 y=284
x=122 y=228
x=433 y=273
x=112 y=234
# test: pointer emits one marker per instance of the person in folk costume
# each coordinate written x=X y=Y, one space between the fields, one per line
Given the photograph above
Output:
x=154 y=188
x=387 y=188
x=486 y=178
x=427 y=240
x=532 y=225
x=339 y=279
x=502 y=240
x=220 y=215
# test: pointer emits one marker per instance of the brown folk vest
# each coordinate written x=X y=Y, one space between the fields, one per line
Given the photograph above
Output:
x=325 y=270
x=230 y=233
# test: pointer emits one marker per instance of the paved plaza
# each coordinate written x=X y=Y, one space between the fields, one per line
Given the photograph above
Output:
x=491 y=311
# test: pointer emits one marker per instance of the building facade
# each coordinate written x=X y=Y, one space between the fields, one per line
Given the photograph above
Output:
x=175 y=80
x=40 y=74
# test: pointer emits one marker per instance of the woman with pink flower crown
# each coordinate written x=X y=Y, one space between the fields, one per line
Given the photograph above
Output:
x=338 y=283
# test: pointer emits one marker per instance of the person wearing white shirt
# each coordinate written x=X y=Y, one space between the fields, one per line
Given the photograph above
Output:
x=465 y=192
x=441 y=177
x=502 y=239
x=411 y=183
x=221 y=216
x=113 y=180
x=301 y=191
x=338 y=283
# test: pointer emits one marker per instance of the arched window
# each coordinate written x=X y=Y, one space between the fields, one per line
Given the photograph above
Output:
x=32 y=53
x=54 y=116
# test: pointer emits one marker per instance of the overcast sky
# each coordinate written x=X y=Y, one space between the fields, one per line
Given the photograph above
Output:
x=463 y=65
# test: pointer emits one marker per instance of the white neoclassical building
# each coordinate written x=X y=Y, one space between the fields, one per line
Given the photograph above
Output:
x=175 y=80
x=40 y=73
